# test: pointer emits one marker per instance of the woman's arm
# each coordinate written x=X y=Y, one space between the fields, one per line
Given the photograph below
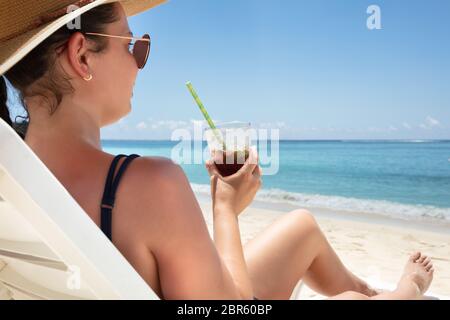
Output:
x=189 y=264
x=228 y=243
x=230 y=196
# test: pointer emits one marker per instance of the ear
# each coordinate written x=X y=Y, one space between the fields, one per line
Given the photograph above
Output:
x=79 y=54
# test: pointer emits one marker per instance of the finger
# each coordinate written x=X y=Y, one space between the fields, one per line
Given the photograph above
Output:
x=213 y=183
x=251 y=162
x=212 y=168
x=258 y=182
x=208 y=166
x=257 y=172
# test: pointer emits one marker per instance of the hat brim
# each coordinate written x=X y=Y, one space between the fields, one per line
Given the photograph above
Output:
x=14 y=50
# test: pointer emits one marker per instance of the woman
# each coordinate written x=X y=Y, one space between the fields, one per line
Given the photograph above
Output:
x=79 y=80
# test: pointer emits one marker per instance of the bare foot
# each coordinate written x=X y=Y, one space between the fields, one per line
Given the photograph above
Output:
x=368 y=290
x=417 y=276
x=415 y=281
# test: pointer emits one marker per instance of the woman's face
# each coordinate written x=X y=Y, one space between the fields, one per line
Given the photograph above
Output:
x=114 y=73
x=107 y=97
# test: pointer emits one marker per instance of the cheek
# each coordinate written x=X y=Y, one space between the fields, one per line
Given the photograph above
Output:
x=128 y=70
x=121 y=75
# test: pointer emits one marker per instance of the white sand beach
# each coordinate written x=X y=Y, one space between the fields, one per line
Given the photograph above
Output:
x=374 y=250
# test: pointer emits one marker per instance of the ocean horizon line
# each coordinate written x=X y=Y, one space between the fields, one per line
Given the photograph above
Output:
x=305 y=140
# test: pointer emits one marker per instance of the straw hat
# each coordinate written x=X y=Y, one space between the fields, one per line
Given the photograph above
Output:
x=24 y=24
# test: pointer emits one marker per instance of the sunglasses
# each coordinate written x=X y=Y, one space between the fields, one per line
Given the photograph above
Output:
x=141 y=47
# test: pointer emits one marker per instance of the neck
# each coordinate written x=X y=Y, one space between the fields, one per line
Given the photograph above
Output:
x=69 y=129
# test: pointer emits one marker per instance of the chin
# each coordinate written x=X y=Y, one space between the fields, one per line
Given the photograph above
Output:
x=125 y=110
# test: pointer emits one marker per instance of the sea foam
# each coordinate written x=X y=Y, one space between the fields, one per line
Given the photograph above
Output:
x=337 y=203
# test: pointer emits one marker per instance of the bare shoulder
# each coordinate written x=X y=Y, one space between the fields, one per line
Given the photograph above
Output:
x=160 y=188
x=159 y=168
x=154 y=175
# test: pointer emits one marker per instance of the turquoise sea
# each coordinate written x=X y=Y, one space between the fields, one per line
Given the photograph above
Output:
x=401 y=179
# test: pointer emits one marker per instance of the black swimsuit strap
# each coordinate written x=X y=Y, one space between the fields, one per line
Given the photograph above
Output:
x=109 y=194
x=109 y=180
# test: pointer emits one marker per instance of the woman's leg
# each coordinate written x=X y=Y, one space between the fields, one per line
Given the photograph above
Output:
x=294 y=248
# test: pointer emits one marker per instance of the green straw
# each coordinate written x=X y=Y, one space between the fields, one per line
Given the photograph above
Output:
x=205 y=113
x=200 y=105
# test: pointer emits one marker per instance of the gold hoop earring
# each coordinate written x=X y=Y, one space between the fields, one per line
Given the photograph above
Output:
x=89 y=78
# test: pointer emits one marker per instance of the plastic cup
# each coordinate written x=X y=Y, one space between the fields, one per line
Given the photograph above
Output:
x=229 y=145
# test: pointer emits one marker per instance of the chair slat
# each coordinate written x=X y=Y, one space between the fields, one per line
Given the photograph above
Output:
x=15 y=281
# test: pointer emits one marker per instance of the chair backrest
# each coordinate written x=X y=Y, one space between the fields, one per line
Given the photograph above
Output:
x=49 y=247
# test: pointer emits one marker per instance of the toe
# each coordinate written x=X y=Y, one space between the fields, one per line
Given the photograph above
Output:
x=426 y=262
x=429 y=267
x=422 y=258
x=413 y=257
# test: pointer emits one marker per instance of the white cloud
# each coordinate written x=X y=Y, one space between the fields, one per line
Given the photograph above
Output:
x=281 y=124
x=171 y=124
x=392 y=128
x=272 y=125
x=166 y=124
x=199 y=123
x=383 y=129
x=141 y=126
x=123 y=125
x=430 y=123
x=406 y=125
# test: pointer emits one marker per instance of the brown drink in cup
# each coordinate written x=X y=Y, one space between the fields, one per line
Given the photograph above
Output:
x=229 y=146
x=229 y=162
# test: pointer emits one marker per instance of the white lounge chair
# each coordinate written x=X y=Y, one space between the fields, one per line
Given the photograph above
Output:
x=49 y=247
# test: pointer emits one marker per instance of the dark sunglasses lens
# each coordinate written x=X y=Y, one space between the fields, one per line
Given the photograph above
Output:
x=141 y=51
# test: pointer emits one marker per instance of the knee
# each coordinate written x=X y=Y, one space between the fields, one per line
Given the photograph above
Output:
x=304 y=216
x=304 y=219
x=350 y=295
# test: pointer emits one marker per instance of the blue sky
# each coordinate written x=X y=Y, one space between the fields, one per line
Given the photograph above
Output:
x=309 y=67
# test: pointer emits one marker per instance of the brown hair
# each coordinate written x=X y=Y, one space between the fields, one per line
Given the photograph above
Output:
x=38 y=66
